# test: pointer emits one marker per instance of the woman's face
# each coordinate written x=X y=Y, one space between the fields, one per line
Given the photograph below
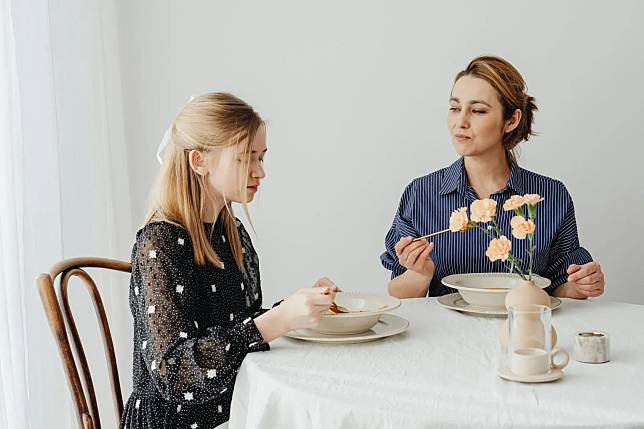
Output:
x=226 y=166
x=475 y=118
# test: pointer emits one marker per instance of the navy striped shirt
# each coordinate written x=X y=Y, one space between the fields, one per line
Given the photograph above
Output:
x=428 y=201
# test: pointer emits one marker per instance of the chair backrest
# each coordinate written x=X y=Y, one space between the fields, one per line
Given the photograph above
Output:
x=62 y=324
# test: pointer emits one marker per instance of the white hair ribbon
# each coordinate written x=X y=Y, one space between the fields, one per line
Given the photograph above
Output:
x=166 y=139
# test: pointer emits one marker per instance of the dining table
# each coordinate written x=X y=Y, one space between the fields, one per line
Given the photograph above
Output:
x=442 y=373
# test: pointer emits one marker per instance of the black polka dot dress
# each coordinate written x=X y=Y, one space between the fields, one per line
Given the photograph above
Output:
x=193 y=326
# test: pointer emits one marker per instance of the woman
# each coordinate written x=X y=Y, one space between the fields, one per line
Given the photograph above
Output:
x=490 y=113
x=195 y=288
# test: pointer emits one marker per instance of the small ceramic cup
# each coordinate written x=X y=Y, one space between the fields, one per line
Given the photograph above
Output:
x=591 y=347
x=535 y=361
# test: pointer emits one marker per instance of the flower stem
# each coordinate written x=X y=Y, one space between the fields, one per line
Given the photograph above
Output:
x=486 y=231
x=531 y=254
x=496 y=227
x=513 y=260
x=532 y=213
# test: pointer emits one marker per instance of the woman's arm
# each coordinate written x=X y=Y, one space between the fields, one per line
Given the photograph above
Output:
x=414 y=257
x=410 y=284
x=409 y=261
x=565 y=253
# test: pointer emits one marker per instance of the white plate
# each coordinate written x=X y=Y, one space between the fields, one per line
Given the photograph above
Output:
x=488 y=289
x=387 y=326
x=455 y=301
x=552 y=375
x=365 y=310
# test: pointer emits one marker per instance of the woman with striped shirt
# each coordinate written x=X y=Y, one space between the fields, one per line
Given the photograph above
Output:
x=489 y=115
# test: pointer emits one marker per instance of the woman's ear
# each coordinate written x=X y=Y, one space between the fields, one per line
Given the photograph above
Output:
x=198 y=162
x=513 y=122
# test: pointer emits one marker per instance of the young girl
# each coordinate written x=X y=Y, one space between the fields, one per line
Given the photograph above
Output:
x=489 y=115
x=195 y=288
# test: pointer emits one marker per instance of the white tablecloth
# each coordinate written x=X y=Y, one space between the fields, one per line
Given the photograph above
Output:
x=442 y=373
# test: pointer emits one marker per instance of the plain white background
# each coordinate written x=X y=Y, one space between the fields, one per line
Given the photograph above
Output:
x=355 y=96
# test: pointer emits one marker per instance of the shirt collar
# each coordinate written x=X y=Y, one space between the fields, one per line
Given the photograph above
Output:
x=455 y=178
x=516 y=179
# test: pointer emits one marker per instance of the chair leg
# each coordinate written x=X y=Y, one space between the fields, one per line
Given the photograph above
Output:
x=57 y=325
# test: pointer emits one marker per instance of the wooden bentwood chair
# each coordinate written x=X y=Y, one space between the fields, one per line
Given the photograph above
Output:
x=62 y=325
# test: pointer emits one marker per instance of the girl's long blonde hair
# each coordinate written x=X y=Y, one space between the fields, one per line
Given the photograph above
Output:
x=210 y=121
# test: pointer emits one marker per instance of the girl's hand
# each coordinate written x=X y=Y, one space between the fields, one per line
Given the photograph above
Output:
x=304 y=309
x=326 y=282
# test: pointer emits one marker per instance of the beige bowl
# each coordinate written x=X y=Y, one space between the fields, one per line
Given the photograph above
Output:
x=364 y=308
x=488 y=289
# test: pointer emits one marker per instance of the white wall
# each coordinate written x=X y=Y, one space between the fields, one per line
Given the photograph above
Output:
x=355 y=94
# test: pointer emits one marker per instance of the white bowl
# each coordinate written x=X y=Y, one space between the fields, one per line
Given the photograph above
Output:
x=488 y=289
x=365 y=310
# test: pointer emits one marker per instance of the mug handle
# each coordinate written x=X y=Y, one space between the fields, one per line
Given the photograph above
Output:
x=559 y=352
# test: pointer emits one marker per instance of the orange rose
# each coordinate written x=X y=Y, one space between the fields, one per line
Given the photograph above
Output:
x=458 y=221
x=483 y=210
x=499 y=248
x=522 y=227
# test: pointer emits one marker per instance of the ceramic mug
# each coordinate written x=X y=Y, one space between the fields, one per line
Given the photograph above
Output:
x=535 y=361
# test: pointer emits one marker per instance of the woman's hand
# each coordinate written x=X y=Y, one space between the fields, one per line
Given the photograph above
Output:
x=415 y=256
x=584 y=281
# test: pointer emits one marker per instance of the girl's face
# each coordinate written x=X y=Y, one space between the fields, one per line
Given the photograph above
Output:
x=224 y=169
x=475 y=118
